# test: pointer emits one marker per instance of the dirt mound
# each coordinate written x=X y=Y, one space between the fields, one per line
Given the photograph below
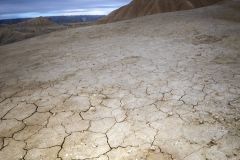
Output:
x=138 y=8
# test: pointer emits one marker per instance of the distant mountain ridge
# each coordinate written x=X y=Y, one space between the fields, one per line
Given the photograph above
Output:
x=138 y=8
x=57 y=19
x=14 y=30
x=75 y=19
x=37 y=22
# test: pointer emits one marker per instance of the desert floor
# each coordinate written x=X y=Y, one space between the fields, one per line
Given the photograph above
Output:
x=162 y=87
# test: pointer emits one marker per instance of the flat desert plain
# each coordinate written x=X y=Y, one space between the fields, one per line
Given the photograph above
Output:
x=160 y=87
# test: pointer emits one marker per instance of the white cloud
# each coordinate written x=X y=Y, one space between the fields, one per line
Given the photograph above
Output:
x=91 y=11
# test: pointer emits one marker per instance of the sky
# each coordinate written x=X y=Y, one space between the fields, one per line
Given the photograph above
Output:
x=34 y=8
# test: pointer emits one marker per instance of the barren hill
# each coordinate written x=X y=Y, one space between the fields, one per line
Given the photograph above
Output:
x=37 y=22
x=27 y=29
x=139 y=8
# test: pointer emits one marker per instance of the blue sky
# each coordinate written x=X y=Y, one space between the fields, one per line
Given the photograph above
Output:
x=35 y=8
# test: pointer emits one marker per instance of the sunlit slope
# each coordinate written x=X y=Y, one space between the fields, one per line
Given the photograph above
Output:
x=138 y=8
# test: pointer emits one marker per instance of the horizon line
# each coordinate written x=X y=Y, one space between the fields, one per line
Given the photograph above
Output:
x=52 y=16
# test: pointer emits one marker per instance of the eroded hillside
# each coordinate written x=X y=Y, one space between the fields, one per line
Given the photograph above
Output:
x=27 y=29
x=138 y=8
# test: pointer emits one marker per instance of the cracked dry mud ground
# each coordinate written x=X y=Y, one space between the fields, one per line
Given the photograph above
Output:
x=163 y=87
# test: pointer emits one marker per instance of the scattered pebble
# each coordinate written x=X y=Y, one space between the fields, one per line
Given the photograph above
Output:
x=153 y=148
x=129 y=151
x=236 y=119
x=216 y=116
x=93 y=109
x=199 y=54
x=212 y=143
x=170 y=114
x=94 y=146
x=201 y=122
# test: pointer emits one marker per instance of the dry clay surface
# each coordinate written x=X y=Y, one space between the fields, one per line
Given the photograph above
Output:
x=163 y=87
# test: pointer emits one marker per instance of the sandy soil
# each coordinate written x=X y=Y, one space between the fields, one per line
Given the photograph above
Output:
x=162 y=87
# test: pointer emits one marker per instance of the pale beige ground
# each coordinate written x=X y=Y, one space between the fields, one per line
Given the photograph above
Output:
x=161 y=87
